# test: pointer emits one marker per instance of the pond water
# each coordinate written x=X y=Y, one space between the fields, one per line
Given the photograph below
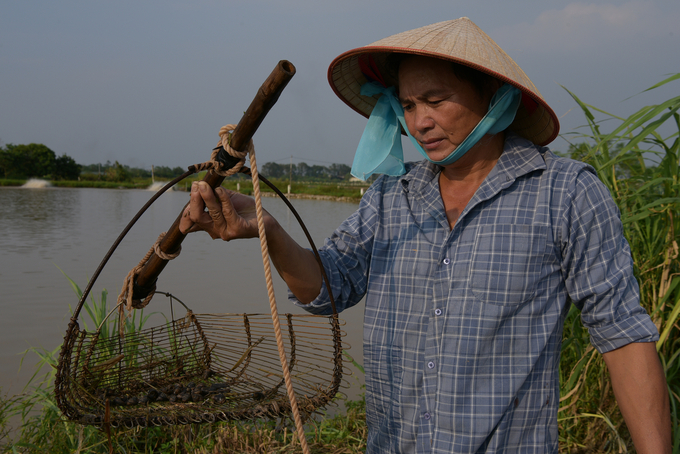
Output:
x=46 y=233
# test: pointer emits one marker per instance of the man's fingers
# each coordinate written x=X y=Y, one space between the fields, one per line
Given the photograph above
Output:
x=185 y=224
x=196 y=203
x=214 y=207
x=226 y=206
x=214 y=211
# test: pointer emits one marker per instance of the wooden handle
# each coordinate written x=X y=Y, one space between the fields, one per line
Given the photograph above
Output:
x=264 y=100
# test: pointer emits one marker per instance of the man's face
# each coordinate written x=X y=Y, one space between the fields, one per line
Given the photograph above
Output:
x=440 y=110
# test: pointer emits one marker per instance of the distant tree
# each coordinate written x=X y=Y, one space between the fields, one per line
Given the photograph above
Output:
x=92 y=168
x=8 y=161
x=274 y=170
x=136 y=172
x=66 y=168
x=167 y=172
x=339 y=171
x=32 y=160
x=301 y=170
x=117 y=172
x=317 y=171
x=41 y=160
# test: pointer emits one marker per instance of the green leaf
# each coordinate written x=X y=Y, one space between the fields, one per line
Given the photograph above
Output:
x=670 y=323
x=663 y=82
x=576 y=372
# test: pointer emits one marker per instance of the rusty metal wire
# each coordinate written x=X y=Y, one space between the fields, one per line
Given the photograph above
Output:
x=199 y=368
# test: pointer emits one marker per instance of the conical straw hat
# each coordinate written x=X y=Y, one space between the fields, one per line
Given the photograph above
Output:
x=460 y=41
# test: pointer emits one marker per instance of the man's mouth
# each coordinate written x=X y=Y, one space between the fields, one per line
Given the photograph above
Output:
x=431 y=144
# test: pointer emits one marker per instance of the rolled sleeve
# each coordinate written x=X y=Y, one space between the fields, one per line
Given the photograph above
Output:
x=346 y=258
x=599 y=269
x=322 y=304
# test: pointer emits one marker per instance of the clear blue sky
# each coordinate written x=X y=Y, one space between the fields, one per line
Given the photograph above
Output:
x=151 y=82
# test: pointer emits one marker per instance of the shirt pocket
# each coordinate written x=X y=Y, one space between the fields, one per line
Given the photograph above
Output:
x=506 y=263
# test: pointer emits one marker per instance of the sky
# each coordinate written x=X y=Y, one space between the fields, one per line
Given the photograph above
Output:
x=151 y=82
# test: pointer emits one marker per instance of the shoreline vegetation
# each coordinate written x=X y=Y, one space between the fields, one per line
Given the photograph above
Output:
x=638 y=159
x=342 y=191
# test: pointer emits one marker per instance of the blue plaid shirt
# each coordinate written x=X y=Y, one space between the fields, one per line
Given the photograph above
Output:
x=463 y=327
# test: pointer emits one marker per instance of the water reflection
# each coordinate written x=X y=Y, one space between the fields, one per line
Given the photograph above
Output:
x=29 y=218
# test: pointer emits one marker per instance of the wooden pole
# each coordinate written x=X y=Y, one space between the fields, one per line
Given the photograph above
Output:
x=264 y=100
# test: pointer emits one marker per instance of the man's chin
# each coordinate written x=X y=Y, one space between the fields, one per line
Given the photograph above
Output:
x=440 y=155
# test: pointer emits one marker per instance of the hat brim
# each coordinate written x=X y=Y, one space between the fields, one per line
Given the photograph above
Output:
x=535 y=120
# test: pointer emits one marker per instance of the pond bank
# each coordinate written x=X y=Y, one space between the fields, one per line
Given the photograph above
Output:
x=312 y=191
x=315 y=197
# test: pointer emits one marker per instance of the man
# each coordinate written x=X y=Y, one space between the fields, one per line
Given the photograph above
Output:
x=469 y=259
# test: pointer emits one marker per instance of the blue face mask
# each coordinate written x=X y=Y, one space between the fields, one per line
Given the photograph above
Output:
x=380 y=151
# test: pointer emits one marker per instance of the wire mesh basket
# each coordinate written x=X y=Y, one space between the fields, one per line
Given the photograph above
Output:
x=198 y=368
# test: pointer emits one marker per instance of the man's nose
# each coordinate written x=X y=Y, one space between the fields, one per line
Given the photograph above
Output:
x=423 y=119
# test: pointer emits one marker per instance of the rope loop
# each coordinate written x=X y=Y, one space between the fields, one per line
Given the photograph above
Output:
x=125 y=298
x=164 y=255
x=225 y=138
x=214 y=165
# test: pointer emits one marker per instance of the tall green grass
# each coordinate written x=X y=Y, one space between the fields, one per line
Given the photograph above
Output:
x=641 y=170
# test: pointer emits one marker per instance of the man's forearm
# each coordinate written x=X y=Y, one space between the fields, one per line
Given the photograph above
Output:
x=296 y=265
x=640 y=388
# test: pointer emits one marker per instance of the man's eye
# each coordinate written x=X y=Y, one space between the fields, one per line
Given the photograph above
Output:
x=434 y=102
x=407 y=107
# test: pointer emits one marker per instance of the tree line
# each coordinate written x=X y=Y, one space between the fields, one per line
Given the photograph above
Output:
x=36 y=160
x=120 y=172
x=303 y=171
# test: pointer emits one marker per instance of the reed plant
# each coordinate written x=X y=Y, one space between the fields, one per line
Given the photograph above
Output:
x=640 y=168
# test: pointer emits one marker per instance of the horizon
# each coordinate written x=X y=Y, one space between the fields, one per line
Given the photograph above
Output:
x=154 y=82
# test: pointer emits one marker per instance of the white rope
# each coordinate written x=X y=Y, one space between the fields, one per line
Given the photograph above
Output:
x=224 y=134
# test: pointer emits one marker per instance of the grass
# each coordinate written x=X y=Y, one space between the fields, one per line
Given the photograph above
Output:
x=641 y=170
x=341 y=189
x=317 y=188
x=11 y=182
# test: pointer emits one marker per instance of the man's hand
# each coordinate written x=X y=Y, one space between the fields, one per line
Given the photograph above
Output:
x=231 y=215
x=640 y=388
x=221 y=213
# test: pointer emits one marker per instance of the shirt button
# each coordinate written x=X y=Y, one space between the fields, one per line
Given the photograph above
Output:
x=437 y=312
x=447 y=261
x=427 y=416
x=430 y=365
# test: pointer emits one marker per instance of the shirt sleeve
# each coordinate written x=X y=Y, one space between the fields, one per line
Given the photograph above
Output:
x=598 y=268
x=346 y=257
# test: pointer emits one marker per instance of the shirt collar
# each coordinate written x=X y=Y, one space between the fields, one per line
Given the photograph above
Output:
x=419 y=175
x=520 y=157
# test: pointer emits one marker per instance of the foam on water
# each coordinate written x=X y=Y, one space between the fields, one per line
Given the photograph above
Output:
x=36 y=183
x=157 y=186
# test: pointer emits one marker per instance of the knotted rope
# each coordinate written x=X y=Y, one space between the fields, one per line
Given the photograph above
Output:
x=125 y=300
x=214 y=164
